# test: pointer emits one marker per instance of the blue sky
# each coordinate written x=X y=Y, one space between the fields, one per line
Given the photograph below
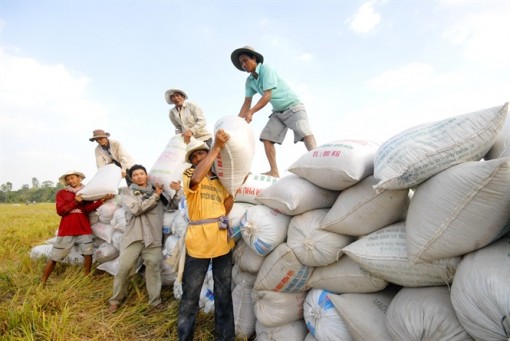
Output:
x=363 y=69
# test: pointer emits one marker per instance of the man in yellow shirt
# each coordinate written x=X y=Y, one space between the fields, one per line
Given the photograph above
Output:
x=207 y=241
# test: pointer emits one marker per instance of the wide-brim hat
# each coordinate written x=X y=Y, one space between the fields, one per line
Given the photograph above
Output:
x=170 y=92
x=98 y=133
x=62 y=179
x=193 y=146
x=235 y=56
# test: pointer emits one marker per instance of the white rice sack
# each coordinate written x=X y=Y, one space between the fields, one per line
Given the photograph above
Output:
x=52 y=240
x=292 y=331
x=105 y=181
x=480 y=292
x=322 y=319
x=117 y=237
x=243 y=278
x=119 y=219
x=110 y=266
x=345 y=276
x=106 y=211
x=234 y=218
x=311 y=245
x=93 y=217
x=417 y=314
x=337 y=165
x=365 y=314
x=234 y=161
x=168 y=275
x=40 y=251
x=282 y=271
x=103 y=231
x=168 y=220
x=247 y=259
x=310 y=337
x=263 y=228
x=294 y=195
x=244 y=315
x=459 y=210
x=105 y=252
x=170 y=165
x=501 y=146
x=206 y=301
x=384 y=254
x=179 y=225
x=360 y=209
x=273 y=309
x=416 y=154
x=253 y=186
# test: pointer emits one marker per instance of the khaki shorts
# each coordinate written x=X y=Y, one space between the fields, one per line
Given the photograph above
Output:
x=293 y=118
x=64 y=244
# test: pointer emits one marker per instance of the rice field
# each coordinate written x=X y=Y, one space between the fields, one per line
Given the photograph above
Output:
x=71 y=306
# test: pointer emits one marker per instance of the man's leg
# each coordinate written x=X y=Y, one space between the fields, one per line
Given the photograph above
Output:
x=195 y=270
x=152 y=260
x=309 y=142
x=271 y=157
x=87 y=263
x=223 y=306
x=128 y=257
x=50 y=266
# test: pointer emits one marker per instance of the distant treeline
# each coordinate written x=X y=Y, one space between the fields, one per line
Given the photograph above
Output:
x=44 y=192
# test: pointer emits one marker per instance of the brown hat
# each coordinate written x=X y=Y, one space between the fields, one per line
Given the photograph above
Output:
x=247 y=49
x=62 y=179
x=98 y=133
x=170 y=92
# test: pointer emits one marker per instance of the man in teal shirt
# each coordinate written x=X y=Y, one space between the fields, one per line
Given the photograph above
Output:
x=288 y=111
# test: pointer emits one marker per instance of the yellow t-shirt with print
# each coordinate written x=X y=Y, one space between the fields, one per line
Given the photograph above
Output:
x=206 y=240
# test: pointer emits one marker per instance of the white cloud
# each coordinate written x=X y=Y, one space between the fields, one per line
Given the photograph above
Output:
x=39 y=97
x=305 y=57
x=42 y=109
x=411 y=76
x=484 y=36
x=365 y=19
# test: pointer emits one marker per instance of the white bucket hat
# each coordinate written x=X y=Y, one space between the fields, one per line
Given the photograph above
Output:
x=62 y=179
x=170 y=92
x=193 y=146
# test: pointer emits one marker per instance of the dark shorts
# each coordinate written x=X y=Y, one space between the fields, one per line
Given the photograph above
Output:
x=293 y=118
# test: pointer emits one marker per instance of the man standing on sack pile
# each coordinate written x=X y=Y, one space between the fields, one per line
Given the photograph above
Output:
x=288 y=111
x=187 y=117
x=207 y=241
x=111 y=151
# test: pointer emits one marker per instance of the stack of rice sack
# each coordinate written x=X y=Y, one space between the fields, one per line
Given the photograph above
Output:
x=399 y=241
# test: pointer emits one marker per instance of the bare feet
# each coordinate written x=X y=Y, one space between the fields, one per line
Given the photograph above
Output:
x=113 y=308
x=270 y=173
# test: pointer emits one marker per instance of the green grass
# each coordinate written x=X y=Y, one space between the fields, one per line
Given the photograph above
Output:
x=71 y=306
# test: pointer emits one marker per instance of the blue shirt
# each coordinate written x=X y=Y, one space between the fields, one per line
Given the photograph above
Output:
x=268 y=79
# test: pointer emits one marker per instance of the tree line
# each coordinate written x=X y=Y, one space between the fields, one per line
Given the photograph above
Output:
x=38 y=192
